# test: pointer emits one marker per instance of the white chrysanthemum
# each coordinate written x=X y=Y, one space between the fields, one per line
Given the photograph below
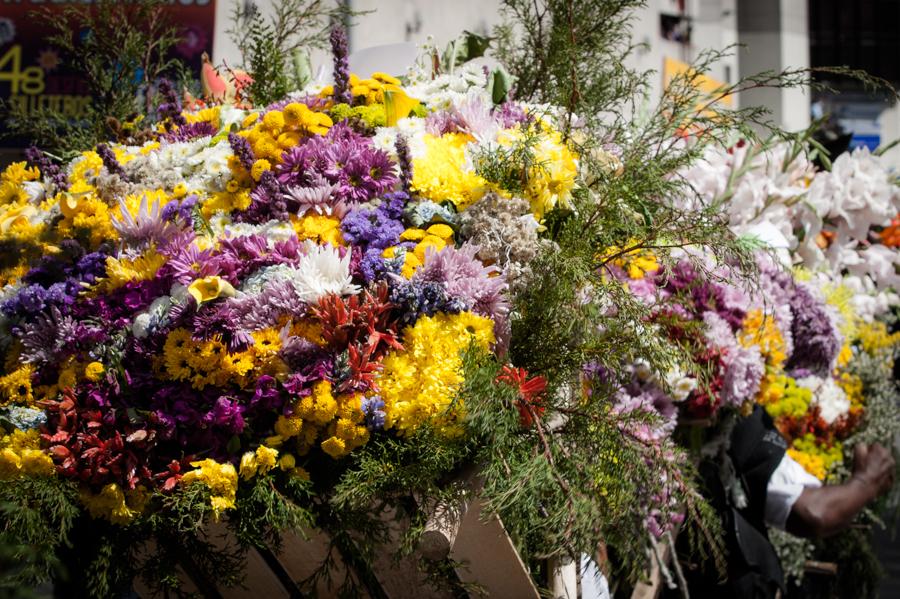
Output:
x=680 y=385
x=322 y=271
x=828 y=396
x=274 y=231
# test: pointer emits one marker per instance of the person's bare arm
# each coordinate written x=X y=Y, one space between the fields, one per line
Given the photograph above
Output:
x=828 y=510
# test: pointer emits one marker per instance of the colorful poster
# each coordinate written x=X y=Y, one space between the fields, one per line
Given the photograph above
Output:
x=33 y=76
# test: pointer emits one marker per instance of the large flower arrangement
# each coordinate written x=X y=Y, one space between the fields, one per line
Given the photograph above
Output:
x=255 y=289
x=281 y=315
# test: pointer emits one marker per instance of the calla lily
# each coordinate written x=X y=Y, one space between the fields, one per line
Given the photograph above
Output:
x=210 y=288
x=397 y=104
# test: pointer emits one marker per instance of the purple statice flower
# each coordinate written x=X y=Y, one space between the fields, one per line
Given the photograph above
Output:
x=404 y=162
x=480 y=288
x=341 y=72
x=109 y=160
x=189 y=132
x=170 y=106
x=48 y=168
x=510 y=114
x=180 y=211
x=241 y=148
x=744 y=371
x=373 y=408
x=378 y=227
x=816 y=339
x=34 y=299
x=416 y=298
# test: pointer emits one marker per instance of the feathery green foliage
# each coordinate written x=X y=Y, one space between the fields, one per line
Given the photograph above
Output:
x=126 y=50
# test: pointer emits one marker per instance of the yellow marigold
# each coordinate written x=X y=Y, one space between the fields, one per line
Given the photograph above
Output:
x=412 y=234
x=428 y=243
x=440 y=230
x=85 y=216
x=442 y=172
x=420 y=382
x=15 y=387
x=287 y=462
x=295 y=113
x=114 y=505
x=93 y=371
x=222 y=480
x=334 y=447
x=20 y=455
x=320 y=406
x=288 y=426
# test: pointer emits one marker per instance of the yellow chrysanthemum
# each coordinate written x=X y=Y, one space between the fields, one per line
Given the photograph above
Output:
x=222 y=480
x=17 y=173
x=761 y=330
x=20 y=455
x=319 y=228
x=114 y=505
x=121 y=271
x=442 y=173
x=15 y=387
x=420 y=382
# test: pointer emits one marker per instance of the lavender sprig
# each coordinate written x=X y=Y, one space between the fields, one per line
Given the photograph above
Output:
x=241 y=148
x=109 y=160
x=170 y=108
x=339 y=50
x=48 y=168
x=404 y=161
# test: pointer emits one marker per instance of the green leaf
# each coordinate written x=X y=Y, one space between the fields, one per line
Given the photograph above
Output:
x=464 y=48
x=499 y=84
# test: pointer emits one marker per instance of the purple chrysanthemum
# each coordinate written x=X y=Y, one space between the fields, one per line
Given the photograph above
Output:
x=481 y=288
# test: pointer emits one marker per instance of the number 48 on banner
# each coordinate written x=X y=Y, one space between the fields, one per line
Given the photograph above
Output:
x=29 y=80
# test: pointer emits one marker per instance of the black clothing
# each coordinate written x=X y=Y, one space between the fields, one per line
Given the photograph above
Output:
x=736 y=487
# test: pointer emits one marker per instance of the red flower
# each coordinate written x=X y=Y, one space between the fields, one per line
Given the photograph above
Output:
x=531 y=392
x=364 y=321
